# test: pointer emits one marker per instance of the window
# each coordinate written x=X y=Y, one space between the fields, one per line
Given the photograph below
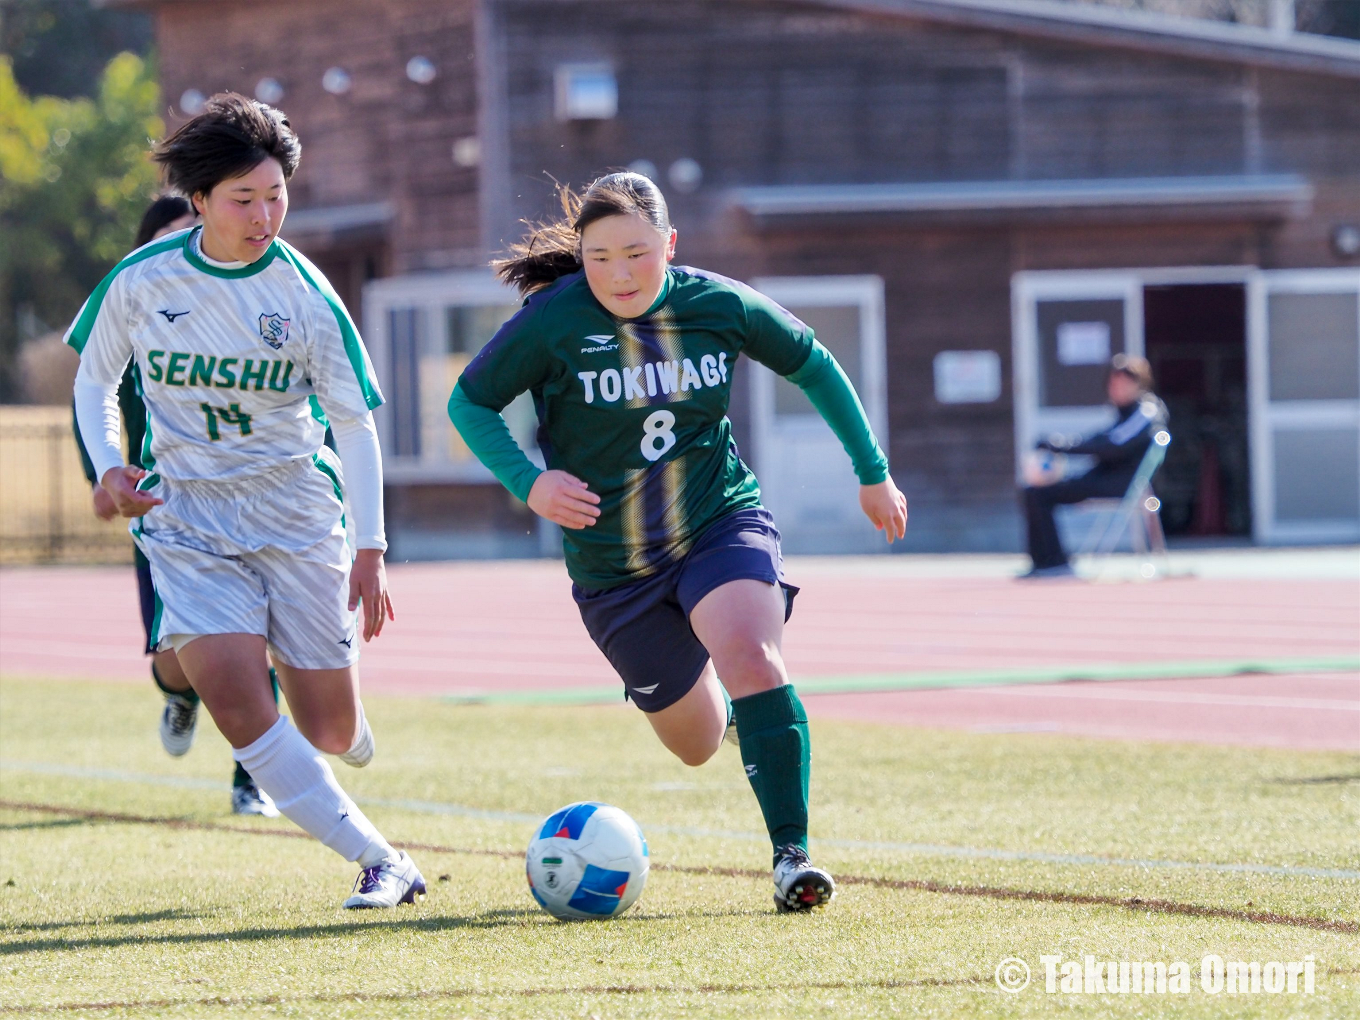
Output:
x=422 y=331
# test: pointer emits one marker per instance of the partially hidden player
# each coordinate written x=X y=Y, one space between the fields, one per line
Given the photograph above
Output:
x=676 y=565
x=243 y=351
x=179 y=717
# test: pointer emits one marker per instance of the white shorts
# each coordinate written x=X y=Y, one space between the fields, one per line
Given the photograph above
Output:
x=266 y=555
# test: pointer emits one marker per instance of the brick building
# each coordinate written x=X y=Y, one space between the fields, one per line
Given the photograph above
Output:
x=975 y=202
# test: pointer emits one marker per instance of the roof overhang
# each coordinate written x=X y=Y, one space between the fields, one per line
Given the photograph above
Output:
x=1261 y=197
x=337 y=225
x=1098 y=24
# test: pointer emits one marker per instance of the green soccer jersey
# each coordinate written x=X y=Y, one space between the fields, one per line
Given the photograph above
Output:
x=637 y=408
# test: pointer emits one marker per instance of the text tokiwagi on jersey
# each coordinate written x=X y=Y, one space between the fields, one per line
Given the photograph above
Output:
x=637 y=408
x=236 y=365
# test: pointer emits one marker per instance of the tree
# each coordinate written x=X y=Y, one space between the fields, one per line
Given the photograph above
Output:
x=60 y=47
x=76 y=179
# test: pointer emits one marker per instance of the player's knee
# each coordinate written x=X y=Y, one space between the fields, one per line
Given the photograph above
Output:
x=696 y=754
x=755 y=667
x=328 y=737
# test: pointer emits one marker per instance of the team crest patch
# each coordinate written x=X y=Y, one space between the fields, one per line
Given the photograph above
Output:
x=273 y=329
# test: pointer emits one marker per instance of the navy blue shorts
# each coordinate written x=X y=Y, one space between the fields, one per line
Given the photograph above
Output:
x=643 y=627
x=146 y=594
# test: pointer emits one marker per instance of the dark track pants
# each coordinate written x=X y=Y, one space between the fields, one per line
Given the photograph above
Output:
x=1045 y=547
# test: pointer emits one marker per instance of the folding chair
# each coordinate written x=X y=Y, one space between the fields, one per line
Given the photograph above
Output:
x=1137 y=512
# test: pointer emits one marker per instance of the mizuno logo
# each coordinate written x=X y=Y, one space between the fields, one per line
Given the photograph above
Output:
x=647 y=690
x=347 y=642
x=172 y=316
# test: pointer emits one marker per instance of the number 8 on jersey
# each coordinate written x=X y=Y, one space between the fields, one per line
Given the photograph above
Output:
x=658 y=427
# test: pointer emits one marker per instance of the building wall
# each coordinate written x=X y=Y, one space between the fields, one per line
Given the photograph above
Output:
x=764 y=92
x=387 y=139
x=779 y=93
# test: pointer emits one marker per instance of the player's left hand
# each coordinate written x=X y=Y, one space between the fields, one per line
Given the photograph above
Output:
x=885 y=505
x=368 y=583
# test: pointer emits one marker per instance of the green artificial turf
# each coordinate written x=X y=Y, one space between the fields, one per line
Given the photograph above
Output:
x=954 y=850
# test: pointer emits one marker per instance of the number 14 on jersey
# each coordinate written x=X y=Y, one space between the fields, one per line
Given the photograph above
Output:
x=229 y=415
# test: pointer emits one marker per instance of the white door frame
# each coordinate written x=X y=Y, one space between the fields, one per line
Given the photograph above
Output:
x=430 y=293
x=822 y=291
x=1027 y=290
x=1266 y=417
x=864 y=291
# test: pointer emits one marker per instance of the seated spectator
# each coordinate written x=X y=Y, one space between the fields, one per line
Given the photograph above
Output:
x=1117 y=450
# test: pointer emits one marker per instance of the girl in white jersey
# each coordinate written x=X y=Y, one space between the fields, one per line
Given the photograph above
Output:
x=244 y=352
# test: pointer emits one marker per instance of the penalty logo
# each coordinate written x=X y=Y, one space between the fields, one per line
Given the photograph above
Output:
x=273 y=329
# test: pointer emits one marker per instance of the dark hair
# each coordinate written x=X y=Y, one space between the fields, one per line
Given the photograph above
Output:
x=1137 y=369
x=159 y=215
x=231 y=137
x=553 y=249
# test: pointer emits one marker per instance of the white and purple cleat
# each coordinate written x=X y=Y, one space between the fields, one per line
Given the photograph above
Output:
x=387 y=884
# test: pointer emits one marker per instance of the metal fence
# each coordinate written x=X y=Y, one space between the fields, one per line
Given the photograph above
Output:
x=46 y=514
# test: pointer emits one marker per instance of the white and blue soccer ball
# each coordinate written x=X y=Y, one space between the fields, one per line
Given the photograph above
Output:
x=587 y=862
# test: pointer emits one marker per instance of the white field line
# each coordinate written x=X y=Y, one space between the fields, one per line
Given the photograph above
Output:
x=520 y=818
x=1231 y=700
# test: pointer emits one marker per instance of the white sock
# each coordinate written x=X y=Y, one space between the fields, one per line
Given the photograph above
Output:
x=293 y=772
x=361 y=752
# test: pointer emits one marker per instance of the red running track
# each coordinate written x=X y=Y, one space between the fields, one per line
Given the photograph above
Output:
x=487 y=628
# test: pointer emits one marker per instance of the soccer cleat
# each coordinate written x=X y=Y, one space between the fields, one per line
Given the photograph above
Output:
x=798 y=885
x=177 y=724
x=387 y=884
x=249 y=799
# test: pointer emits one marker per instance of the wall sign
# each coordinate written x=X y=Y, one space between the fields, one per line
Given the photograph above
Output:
x=967 y=377
x=1083 y=343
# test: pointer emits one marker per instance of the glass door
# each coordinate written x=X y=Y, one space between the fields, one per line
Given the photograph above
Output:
x=421 y=333
x=1304 y=396
x=1066 y=328
x=806 y=479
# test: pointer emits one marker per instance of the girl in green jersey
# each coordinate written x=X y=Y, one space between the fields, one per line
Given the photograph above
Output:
x=676 y=565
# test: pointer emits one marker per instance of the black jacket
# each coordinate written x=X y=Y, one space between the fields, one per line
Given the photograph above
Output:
x=1119 y=448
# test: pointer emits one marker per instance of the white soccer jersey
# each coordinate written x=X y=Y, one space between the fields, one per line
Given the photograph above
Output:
x=236 y=366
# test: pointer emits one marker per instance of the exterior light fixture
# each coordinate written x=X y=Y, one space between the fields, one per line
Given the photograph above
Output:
x=268 y=90
x=336 y=81
x=685 y=174
x=1346 y=240
x=421 y=70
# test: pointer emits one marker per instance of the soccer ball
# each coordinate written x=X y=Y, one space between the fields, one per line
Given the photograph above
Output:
x=587 y=862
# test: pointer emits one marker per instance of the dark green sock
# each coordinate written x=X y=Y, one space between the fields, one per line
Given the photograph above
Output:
x=242 y=777
x=274 y=682
x=727 y=698
x=777 y=753
x=190 y=694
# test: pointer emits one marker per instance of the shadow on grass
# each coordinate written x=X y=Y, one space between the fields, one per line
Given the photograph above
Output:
x=150 y=917
x=491 y=919
x=300 y=932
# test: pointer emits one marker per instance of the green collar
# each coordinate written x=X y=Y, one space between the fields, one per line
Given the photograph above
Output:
x=660 y=298
x=230 y=274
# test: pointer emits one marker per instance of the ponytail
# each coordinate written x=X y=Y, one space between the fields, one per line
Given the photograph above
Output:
x=552 y=250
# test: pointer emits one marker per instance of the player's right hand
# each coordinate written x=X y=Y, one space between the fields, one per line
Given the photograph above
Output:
x=564 y=499
x=104 y=507
x=121 y=485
